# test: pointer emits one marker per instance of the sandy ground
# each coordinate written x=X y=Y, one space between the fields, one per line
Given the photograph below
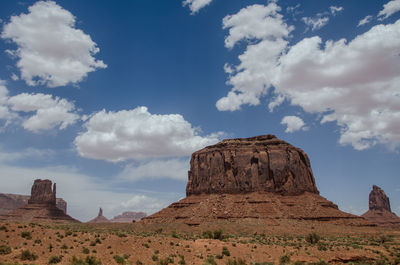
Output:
x=252 y=241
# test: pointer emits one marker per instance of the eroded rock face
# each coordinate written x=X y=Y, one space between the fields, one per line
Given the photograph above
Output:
x=9 y=202
x=379 y=209
x=378 y=199
x=42 y=192
x=262 y=163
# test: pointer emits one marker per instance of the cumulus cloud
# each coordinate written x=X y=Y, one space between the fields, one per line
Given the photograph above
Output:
x=144 y=203
x=315 y=23
x=293 y=124
x=5 y=112
x=196 y=5
x=49 y=112
x=51 y=51
x=353 y=83
x=251 y=78
x=389 y=9
x=176 y=169
x=138 y=134
x=364 y=21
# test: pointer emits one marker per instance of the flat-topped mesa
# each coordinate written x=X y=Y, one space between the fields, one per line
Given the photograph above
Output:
x=257 y=164
x=42 y=192
x=378 y=199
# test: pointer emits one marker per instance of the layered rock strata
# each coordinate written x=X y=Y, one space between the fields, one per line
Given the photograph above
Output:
x=9 y=202
x=379 y=209
x=257 y=164
x=258 y=178
x=41 y=206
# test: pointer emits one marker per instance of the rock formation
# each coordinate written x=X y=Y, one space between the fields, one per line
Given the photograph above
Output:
x=262 y=163
x=379 y=209
x=100 y=218
x=128 y=217
x=9 y=202
x=41 y=206
x=258 y=178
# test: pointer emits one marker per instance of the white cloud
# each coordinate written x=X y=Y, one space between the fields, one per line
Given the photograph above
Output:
x=196 y=5
x=355 y=84
x=138 y=134
x=335 y=9
x=51 y=50
x=172 y=168
x=293 y=124
x=251 y=78
x=389 y=9
x=315 y=23
x=144 y=203
x=49 y=112
x=364 y=21
x=14 y=77
x=5 y=113
x=255 y=22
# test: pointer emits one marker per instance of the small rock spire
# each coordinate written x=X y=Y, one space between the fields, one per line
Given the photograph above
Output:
x=378 y=199
x=100 y=212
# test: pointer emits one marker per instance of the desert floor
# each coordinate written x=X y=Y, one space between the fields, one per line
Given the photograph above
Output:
x=240 y=242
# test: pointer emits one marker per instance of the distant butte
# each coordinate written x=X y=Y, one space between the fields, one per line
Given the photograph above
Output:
x=260 y=177
x=41 y=206
x=100 y=218
x=379 y=209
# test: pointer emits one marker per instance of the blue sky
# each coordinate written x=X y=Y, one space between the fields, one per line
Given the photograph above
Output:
x=109 y=100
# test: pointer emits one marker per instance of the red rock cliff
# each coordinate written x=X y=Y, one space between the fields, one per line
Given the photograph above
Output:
x=261 y=163
x=42 y=193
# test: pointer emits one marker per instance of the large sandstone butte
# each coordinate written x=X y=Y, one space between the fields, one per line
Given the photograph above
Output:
x=260 y=177
x=262 y=163
x=379 y=209
x=41 y=206
x=9 y=202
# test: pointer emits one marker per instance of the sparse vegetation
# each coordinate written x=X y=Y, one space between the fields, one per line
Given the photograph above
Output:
x=225 y=251
x=55 y=259
x=4 y=250
x=26 y=235
x=27 y=255
x=312 y=238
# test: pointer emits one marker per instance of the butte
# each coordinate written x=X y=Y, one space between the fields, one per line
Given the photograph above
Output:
x=41 y=206
x=262 y=178
x=379 y=209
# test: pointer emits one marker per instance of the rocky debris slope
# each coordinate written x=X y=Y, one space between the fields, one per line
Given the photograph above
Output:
x=128 y=217
x=262 y=163
x=9 y=202
x=100 y=218
x=41 y=206
x=258 y=178
x=379 y=209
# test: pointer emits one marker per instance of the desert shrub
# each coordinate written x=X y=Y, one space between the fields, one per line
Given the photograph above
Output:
x=218 y=234
x=238 y=261
x=26 y=234
x=284 y=259
x=4 y=250
x=210 y=261
x=165 y=261
x=3 y=228
x=322 y=247
x=312 y=238
x=146 y=245
x=85 y=251
x=118 y=259
x=299 y=262
x=182 y=260
x=264 y=263
x=225 y=251
x=38 y=241
x=322 y=262
x=27 y=255
x=154 y=257
x=64 y=246
x=55 y=259
x=208 y=234
x=89 y=260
